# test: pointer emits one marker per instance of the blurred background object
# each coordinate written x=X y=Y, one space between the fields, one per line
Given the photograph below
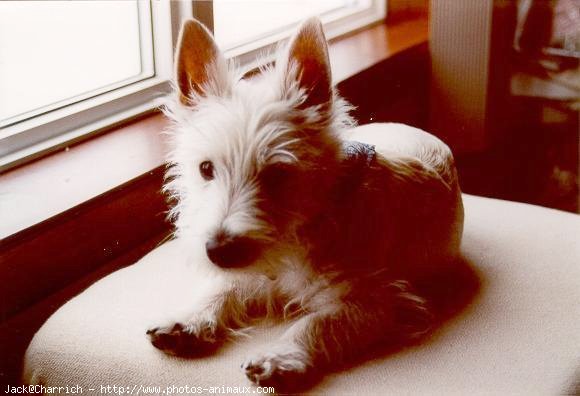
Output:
x=505 y=94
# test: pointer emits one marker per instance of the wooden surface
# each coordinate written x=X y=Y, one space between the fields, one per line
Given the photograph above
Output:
x=352 y=54
x=42 y=189
x=398 y=10
x=64 y=248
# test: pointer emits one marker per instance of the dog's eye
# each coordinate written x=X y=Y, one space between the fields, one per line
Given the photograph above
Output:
x=206 y=170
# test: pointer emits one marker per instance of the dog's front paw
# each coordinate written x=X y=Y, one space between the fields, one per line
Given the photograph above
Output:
x=286 y=370
x=193 y=339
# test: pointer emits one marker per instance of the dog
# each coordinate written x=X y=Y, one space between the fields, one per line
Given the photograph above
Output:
x=302 y=216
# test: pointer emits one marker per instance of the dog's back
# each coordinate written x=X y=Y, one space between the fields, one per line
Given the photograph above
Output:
x=405 y=140
x=399 y=139
x=411 y=215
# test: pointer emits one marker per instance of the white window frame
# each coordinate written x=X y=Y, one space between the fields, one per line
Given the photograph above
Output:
x=112 y=105
x=147 y=67
x=63 y=123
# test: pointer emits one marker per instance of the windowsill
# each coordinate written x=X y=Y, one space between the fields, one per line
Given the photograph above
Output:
x=54 y=184
x=63 y=180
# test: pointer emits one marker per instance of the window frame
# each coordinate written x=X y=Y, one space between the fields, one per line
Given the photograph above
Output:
x=57 y=129
x=104 y=108
x=147 y=70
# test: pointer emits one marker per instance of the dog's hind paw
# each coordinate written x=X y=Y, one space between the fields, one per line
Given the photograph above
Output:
x=287 y=371
x=186 y=339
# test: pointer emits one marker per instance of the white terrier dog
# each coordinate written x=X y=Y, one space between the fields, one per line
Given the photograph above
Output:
x=303 y=224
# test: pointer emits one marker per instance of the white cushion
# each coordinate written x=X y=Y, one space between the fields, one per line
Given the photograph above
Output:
x=520 y=335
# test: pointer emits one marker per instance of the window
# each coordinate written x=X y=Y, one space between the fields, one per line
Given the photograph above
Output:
x=246 y=28
x=72 y=50
x=71 y=69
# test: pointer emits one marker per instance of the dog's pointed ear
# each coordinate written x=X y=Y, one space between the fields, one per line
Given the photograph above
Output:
x=200 y=68
x=308 y=53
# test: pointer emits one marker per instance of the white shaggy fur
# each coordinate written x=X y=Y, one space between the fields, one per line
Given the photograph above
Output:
x=289 y=116
x=241 y=132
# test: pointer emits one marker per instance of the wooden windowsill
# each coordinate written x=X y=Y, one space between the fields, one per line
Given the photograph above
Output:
x=54 y=184
x=354 y=53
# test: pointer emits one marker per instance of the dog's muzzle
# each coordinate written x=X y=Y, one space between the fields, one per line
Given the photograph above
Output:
x=231 y=251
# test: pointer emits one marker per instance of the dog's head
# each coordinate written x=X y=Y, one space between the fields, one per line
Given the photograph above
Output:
x=252 y=158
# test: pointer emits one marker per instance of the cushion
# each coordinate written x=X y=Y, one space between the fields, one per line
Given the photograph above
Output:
x=520 y=334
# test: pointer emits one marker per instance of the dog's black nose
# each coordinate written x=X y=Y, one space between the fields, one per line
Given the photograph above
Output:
x=231 y=251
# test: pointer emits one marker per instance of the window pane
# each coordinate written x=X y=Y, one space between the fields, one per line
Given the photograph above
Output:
x=240 y=21
x=56 y=52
